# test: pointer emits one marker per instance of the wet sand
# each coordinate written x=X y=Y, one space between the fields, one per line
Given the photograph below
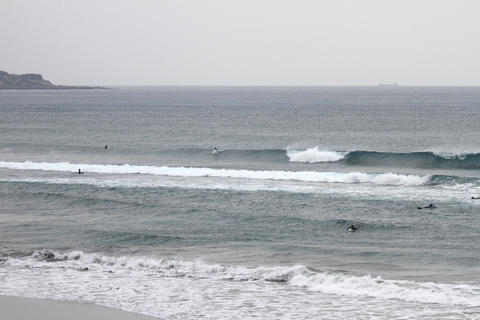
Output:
x=17 y=308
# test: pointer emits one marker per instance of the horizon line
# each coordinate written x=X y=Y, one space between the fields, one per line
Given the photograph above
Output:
x=382 y=85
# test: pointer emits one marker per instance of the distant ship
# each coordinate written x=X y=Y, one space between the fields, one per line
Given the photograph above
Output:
x=388 y=84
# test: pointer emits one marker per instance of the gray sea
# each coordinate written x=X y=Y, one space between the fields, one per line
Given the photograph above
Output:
x=163 y=224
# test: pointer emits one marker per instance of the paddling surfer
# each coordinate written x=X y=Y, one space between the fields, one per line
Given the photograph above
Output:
x=430 y=206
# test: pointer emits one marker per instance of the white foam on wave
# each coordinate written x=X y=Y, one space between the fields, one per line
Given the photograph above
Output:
x=314 y=154
x=307 y=176
x=451 y=155
x=454 y=153
x=297 y=276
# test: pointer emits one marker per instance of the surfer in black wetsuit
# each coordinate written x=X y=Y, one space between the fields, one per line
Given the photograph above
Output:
x=106 y=146
x=80 y=171
x=430 y=206
x=352 y=228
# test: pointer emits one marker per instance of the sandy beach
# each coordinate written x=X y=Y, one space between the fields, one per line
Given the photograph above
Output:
x=18 y=308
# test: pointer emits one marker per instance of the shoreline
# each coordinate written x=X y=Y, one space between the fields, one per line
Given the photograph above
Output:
x=21 y=308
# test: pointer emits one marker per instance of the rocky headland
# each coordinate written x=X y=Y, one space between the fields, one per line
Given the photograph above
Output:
x=32 y=81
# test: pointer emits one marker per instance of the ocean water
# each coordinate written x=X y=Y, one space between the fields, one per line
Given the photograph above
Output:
x=161 y=225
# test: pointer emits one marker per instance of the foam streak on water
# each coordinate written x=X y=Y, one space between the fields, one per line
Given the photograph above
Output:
x=459 y=192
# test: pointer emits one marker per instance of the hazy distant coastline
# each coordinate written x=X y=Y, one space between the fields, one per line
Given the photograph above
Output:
x=32 y=81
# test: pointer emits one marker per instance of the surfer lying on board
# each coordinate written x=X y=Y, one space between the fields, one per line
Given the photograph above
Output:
x=430 y=206
x=352 y=228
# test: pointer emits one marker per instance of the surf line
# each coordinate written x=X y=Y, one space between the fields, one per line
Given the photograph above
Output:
x=307 y=176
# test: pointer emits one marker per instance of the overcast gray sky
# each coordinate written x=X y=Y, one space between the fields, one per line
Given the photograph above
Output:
x=244 y=42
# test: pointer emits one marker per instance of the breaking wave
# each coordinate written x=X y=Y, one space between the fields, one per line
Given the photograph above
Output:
x=424 y=159
x=420 y=159
x=297 y=276
x=313 y=155
x=307 y=176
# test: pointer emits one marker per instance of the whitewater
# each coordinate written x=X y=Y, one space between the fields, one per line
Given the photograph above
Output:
x=142 y=284
x=309 y=176
x=312 y=155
